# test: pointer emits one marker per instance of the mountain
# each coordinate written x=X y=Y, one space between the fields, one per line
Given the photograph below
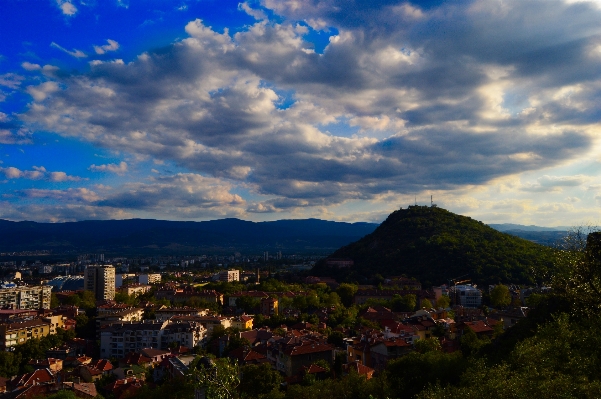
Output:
x=147 y=236
x=504 y=227
x=541 y=235
x=434 y=245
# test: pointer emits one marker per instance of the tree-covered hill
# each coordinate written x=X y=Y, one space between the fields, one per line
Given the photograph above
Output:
x=434 y=245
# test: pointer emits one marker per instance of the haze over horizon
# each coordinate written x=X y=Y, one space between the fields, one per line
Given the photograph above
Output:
x=286 y=109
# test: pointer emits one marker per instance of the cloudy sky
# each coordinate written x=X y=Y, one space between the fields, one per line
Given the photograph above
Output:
x=272 y=109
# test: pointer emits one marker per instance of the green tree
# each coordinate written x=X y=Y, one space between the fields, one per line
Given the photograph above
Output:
x=427 y=345
x=259 y=380
x=500 y=297
x=426 y=303
x=54 y=302
x=249 y=304
x=347 y=293
x=443 y=302
x=220 y=380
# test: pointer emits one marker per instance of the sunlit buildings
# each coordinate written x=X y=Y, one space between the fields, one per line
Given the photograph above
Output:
x=101 y=281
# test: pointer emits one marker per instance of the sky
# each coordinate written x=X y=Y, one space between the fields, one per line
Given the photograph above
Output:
x=282 y=109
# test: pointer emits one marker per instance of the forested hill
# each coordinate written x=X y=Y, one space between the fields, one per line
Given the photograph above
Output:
x=146 y=236
x=434 y=245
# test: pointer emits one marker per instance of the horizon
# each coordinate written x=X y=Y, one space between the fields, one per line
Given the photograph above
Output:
x=269 y=110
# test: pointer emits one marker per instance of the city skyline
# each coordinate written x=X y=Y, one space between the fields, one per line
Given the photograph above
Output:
x=268 y=110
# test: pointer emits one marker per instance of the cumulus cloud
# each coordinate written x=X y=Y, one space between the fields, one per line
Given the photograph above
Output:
x=66 y=7
x=119 y=169
x=182 y=195
x=391 y=106
x=11 y=80
x=74 y=53
x=28 y=66
x=37 y=173
x=111 y=45
x=555 y=183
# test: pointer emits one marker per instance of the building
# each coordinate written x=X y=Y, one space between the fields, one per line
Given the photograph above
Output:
x=135 y=289
x=13 y=334
x=37 y=297
x=119 y=339
x=269 y=306
x=153 y=278
x=229 y=275
x=101 y=281
x=466 y=295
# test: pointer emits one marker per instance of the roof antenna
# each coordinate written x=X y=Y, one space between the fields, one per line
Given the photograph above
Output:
x=416 y=200
x=431 y=202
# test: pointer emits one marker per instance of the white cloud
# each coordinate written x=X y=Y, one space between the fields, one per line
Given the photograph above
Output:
x=66 y=7
x=28 y=66
x=11 y=80
x=111 y=45
x=256 y=14
x=38 y=172
x=42 y=91
x=119 y=169
x=75 y=53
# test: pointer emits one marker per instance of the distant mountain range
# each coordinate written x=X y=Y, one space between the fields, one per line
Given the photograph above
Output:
x=434 y=245
x=541 y=235
x=154 y=237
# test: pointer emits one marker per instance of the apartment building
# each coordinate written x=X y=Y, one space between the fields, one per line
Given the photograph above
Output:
x=101 y=281
x=229 y=275
x=37 y=297
x=13 y=334
x=153 y=278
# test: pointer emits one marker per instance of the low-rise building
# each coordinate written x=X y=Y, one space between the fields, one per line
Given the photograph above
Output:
x=17 y=333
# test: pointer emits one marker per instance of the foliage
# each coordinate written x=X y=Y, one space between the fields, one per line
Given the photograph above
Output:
x=220 y=381
x=249 y=304
x=443 y=302
x=433 y=244
x=259 y=381
x=500 y=297
x=412 y=373
x=351 y=386
x=426 y=303
x=347 y=292
x=427 y=345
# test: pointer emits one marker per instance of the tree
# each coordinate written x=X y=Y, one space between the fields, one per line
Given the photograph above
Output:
x=427 y=345
x=259 y=380
x=219 y=379
x=500 y=297
x=347 y=293
x=426 y=303
x=249 y=304
x=443 y=302
x=54 y=302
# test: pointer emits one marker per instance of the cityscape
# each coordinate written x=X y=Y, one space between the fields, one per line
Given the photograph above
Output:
x=300 y=199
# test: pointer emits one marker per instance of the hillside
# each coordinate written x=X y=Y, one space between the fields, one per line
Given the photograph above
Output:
x=434 y=245
x=146 y=236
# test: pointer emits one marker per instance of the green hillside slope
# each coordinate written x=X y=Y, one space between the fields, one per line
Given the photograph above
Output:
x=433 y=245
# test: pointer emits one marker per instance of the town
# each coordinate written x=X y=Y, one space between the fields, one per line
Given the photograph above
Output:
x=118 y=327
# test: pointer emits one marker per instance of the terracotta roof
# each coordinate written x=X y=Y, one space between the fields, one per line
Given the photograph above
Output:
x=314 y=369
x=102 y=364
x=359 y=368
x=308 y=347
x=478 y=326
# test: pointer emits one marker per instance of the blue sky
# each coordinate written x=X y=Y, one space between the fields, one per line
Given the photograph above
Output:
x=264 y=110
